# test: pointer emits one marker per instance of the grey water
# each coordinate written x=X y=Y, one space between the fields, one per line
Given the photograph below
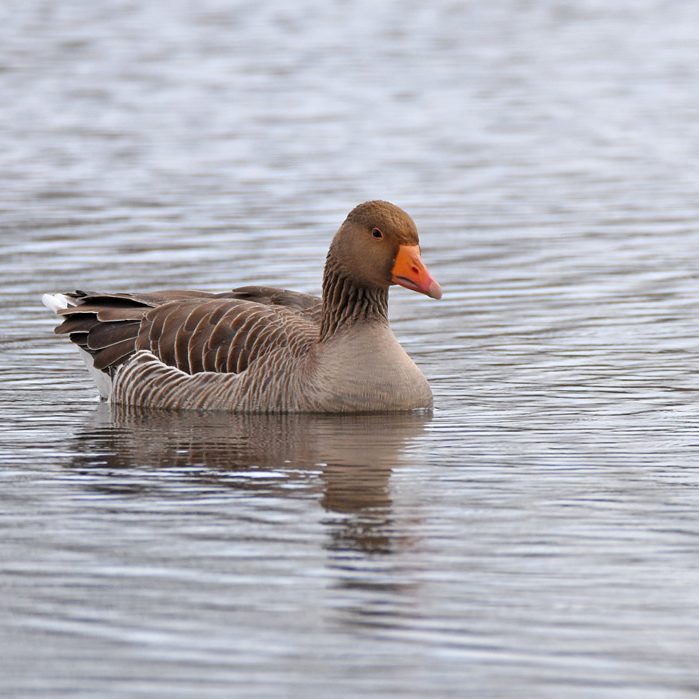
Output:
x=538 y=534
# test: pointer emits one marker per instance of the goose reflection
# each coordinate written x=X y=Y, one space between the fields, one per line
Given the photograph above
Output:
x=346 y=461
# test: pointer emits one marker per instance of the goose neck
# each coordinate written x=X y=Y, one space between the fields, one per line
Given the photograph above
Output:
x=346 y=303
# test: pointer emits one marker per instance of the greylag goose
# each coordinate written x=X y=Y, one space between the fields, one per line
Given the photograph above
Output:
x=261 y=349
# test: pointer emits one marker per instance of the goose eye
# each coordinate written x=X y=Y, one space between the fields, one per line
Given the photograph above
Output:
x=377 y=233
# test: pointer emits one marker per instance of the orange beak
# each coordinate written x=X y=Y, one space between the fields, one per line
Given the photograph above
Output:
x=410 y=271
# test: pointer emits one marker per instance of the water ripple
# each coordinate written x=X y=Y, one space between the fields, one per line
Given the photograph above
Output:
x=536 y=536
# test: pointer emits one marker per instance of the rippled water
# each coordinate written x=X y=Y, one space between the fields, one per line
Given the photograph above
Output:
x=537 y=535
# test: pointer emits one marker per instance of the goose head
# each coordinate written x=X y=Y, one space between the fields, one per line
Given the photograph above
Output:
x=377 y=246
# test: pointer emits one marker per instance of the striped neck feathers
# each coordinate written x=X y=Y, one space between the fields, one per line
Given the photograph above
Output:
x=346 y=303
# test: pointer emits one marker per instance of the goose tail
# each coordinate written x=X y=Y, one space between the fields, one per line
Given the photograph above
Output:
x=56 y=302
x=59 y=302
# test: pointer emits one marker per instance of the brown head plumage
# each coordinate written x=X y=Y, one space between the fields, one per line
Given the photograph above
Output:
x=375 y=239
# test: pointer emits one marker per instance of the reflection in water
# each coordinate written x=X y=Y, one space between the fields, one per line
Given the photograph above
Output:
x=346 y=460
x=363 y=494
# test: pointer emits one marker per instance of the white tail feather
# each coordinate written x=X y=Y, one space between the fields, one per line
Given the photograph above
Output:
x=102 y=380
x=56 y=302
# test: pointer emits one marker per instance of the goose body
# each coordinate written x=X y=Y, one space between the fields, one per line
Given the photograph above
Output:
x=261 y=349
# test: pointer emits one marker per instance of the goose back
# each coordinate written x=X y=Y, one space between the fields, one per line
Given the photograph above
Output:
x=192 y=331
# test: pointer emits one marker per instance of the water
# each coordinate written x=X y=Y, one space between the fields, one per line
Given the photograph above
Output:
x=537 y=535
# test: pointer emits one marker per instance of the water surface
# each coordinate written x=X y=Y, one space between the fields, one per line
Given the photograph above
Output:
x=537 y=534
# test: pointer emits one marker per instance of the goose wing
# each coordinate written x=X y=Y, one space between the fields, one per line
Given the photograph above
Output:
x=192 y=331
